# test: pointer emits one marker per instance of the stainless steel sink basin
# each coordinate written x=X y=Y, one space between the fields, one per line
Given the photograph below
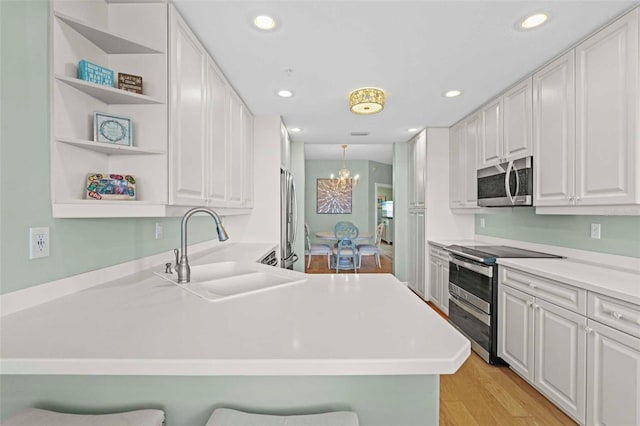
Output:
x=223 y=280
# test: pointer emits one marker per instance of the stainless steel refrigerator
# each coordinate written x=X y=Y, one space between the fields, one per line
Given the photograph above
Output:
x=288 y=220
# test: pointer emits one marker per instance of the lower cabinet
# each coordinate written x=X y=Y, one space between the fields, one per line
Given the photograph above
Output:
x=417 y=256
x=613 y=385
x=438 y=283
x=589 y=370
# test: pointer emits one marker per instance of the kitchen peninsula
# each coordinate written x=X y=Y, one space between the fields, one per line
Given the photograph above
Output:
x=331 y=342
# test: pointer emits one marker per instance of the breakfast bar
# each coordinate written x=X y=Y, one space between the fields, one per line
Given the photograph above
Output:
x=333 y=342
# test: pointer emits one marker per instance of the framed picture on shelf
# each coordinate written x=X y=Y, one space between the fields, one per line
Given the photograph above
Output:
x=110 y=186
x=110 y=128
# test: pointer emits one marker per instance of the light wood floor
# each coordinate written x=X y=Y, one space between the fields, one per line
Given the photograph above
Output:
x=319 y=266
x=482 y=394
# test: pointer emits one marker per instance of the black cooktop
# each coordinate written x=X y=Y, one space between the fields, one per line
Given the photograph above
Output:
x=489 y=254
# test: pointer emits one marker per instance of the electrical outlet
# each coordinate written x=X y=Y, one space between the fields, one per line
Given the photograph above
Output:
x=159 y=231
x=38 y=242
x=482 y=222
x=595 y=231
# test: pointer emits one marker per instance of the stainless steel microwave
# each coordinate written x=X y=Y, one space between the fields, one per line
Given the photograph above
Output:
x=507 y=184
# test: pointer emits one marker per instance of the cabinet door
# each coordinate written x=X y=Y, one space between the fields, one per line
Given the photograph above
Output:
x=217 y=137
x=188 y=112
x=420 y=251
x=470 y=161
x=515 y=330
x=248 y=158
x=417 y=171
x=554 y=132
x=613 y=385
x=518 y=117
x=444 y=290
x=560 y=357
x=456 y=165
x=236 y=151
x=607 y=115
x=435 y=288
x=491 y=133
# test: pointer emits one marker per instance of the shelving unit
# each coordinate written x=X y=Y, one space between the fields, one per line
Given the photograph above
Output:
x=124 y=36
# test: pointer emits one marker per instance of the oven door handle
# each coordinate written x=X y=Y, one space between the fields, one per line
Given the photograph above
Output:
x=487 y=271
x=470 y=309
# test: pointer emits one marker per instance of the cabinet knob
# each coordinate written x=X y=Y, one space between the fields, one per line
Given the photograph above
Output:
x=588 y=330
x=529 y=304
x=616 y=315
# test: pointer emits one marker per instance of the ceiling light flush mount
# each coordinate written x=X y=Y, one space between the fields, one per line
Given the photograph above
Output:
x=264 y=22
x=452 y=93
x=366 y=100
x=533 y=21
x=285 y=93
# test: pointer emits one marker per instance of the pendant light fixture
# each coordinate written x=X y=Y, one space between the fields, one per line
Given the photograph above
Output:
x=344 y=175
x=366 y=100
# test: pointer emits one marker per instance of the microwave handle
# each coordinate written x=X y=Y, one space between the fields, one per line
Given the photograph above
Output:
x=515 y=170
x=507 y=184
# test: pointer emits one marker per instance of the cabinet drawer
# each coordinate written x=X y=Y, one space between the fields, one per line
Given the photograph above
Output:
x=438 y=252
x=621 y=315
x=572 y=298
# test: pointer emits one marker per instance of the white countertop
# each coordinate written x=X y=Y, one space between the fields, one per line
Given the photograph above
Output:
x=365 y=324
x=608 y=281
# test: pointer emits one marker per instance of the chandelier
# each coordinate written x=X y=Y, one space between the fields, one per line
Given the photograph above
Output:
x=366 y=100
x=344 y=175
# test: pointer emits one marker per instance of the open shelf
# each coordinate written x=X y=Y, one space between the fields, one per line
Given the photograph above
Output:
x=109 y=42
x=110 y=149
x=107 y=94
x=107 y=208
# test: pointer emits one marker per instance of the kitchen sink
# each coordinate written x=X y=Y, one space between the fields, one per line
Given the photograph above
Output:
x=223 y=280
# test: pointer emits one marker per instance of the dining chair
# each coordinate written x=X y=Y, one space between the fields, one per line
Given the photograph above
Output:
x=315 y=249
x=372 y=249
x=346 y=233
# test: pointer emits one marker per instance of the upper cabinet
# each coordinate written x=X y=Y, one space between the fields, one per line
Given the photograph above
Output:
x=506 y=126
x=126 y=38
x=607 y=142
x=211 y=130
x=586 y=139
x=417 y=170
x=463 y=158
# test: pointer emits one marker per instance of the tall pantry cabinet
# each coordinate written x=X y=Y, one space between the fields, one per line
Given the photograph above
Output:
x=416 y=228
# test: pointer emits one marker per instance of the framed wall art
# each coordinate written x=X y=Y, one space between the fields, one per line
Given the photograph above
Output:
x=110 y=128
x=334 y=196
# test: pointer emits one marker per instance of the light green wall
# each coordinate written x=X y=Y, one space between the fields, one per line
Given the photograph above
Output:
x=378 y=173
x=315 y=169
x=188 y=401
x=620 y=235
x=77 y=245
x=401 y=211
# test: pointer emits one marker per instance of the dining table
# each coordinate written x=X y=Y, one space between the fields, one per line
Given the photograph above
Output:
x=345 y=262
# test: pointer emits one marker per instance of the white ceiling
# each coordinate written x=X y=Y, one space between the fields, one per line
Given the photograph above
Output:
x=382 y=152
x=414 y=50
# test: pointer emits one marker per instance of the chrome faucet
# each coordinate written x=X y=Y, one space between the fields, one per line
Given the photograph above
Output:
x=182 y=261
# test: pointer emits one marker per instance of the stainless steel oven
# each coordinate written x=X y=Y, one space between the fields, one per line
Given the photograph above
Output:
x=471 y=286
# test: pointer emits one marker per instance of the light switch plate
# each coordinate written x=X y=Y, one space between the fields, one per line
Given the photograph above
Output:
x=595 y=231
x=39 y=242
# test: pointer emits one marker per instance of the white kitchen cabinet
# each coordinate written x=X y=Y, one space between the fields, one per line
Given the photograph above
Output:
x=554 y=132
x=417 y=256
x=586 y=122
x=463 y=159
x=607 y=121
x=505 y=128
x=417 y=169
x=613 y=385
x=438 y=284
x=546 y=345
x=103 y=36
x=188 y=113
x=211 y=130
x=560 y=357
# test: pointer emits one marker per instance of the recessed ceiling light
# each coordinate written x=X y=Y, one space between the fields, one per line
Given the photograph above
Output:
x=264 y=22
x=413 y=129
x=533 y=21
x=452 y=93
x=285 y=93
x=295 y=129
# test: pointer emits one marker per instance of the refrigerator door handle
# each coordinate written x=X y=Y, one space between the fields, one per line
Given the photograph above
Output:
x=294 y=208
